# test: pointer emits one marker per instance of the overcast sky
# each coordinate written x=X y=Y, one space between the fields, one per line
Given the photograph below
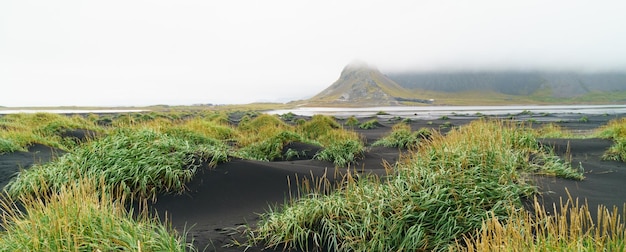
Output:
x=134 y=53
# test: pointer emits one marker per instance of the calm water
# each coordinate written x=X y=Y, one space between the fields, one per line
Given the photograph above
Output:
x=430 y=112
x=422 y=112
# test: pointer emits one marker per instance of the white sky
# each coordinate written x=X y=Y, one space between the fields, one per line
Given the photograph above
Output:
x=133 y=53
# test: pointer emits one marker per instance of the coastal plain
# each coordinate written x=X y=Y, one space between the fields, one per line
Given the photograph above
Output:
x=219 y=202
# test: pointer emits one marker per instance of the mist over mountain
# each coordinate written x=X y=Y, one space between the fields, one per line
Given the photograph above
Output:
x=561 y=84
x=360 y=84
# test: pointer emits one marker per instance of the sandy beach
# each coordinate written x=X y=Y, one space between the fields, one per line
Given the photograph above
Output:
x=220 y=200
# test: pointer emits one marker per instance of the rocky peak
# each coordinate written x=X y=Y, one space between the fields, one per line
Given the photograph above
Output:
x=360 y=84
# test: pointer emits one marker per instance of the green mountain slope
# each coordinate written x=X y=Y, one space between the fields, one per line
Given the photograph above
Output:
x=362 y=85
x=561 y=84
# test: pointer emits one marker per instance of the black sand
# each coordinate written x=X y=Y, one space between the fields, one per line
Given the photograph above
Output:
x=220 y=200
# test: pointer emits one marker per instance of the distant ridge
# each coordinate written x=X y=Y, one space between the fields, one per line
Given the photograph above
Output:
x=557 y=84
x=361 y=84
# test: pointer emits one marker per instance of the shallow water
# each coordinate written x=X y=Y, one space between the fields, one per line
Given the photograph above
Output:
x=430 y=112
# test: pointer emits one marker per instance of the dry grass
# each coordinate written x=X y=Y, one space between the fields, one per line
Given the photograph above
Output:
x=571 y=228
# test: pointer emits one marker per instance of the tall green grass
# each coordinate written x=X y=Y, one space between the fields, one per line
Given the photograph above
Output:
x=341 y=147
x=82 y=216
x=352 y=122
x=270 y=149
x=318 y=127
x=616 y=131
x=139 y=162
x=260 y=128
x=370 y=124
x=401 y=136
x=264 y=138
x=445 y=190
x=342 y=152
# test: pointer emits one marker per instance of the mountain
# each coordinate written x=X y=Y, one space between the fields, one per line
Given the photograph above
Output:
x=361 y=84
x=560 y=84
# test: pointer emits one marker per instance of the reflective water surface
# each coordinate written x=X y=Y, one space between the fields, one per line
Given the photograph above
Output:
x=429 y=112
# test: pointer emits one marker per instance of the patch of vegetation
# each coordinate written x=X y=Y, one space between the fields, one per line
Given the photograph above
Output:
x=382 y=113
x=584 y=119
x=532 y=120
x=270 y=137
x=18 y=131
x=138 y=162
x=394 y=119
x=291 y=154
x=300 y=121
x=617 y=151
x=288 y=116
x=213 y=129
x=428 y=203
x=552 y=130
x=615 y=130
x=82 y=216
x=342 y=152
x=446 y=125
x=352 y=122
x=572 y=228
x=260 y=128
x=270 y=149
x=401 y=136
x=319 y=126
x=371 y=124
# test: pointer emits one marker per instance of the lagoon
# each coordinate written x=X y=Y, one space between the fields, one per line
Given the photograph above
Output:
x=431 y=112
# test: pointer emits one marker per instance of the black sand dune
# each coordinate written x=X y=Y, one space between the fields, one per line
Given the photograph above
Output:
x=220 y=200
x=12 y=163
x=603 y=183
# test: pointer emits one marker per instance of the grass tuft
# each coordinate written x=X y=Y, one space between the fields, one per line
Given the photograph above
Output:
x=140 y=162
x=342 y=152
x=371 y=124
x=401 y=136
x=352 y=122
x=270 y=149
x=616 y=131
x=82 y=216
x=571 y=228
